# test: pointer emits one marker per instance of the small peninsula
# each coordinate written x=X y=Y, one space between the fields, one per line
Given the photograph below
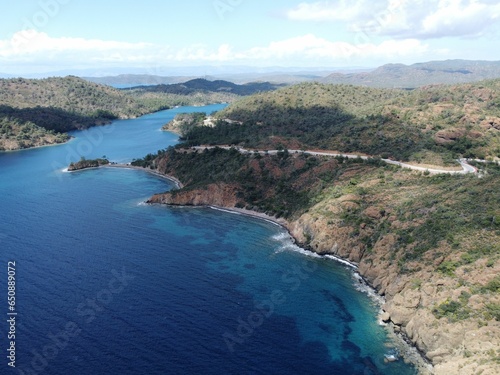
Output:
x=85 y=164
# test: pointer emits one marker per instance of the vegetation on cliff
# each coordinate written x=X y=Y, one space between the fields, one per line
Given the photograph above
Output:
x=70 y=103
x=283 y=184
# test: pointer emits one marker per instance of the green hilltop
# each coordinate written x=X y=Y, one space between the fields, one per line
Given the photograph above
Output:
x=198 y=91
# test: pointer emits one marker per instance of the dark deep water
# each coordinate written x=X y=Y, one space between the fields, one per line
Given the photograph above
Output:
x=108 y=285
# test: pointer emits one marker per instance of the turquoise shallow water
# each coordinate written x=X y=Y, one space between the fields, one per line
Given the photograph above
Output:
x=109 y=285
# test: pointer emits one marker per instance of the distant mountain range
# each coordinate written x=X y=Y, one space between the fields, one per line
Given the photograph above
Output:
x=131 y=80
x=386 y=76
x=421 y=74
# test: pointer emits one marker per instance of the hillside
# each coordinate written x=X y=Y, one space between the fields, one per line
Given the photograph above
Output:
x=198 y=92
x=421 y=74
x=203 y=85
x=432 y=125
x=34 y=112
x=70 y=94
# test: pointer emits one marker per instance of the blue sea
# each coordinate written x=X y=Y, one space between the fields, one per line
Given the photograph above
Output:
x=106 y=284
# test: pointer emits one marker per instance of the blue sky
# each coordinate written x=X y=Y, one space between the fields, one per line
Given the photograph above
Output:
x=48 y=35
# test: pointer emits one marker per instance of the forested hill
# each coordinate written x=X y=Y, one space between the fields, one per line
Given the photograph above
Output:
x=433 y=124
x=71 y=94
x=200 y=85
x=32 y=111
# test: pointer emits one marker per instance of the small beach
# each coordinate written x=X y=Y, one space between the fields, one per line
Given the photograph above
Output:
x=177 y=183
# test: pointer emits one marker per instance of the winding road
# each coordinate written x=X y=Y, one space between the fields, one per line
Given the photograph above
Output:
x=466 y=167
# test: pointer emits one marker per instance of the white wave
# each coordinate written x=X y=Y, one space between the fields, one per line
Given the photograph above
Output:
x=271 y=222
x=361 y=285
x=342 y=261
x=288 y=244
x=281 y=237
x=64 y=170
x=297 y=249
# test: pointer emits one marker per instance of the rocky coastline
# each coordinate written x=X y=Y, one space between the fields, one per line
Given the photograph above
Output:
x=220 y=196
x=408 y=301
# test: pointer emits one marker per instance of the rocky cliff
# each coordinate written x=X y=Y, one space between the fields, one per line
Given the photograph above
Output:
x=413 y=299
x=460 y=347
x=214 y=195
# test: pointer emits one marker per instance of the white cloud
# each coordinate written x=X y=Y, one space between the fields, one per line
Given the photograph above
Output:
x=456 y=17
x=406 y=18
x=31 y=42
x=307 y=50
x=312 y=48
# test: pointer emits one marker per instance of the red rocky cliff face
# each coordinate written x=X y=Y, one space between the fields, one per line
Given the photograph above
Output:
x=222 y=195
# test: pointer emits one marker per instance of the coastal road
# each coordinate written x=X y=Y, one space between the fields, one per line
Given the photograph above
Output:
x=466 y=168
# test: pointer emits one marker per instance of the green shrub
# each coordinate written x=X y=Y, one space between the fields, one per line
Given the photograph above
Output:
x=453 y=310
x=493 y=286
